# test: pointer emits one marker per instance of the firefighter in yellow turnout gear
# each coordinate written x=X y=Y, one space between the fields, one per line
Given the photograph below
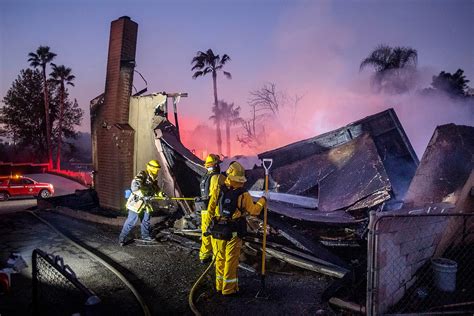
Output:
x=144 y=188
x=209 y=183
x=227 y=208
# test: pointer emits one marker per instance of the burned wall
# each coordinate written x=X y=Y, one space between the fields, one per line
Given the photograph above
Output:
x=403 y=248
x=142 y=112
x=445 y=166
x=408 y=238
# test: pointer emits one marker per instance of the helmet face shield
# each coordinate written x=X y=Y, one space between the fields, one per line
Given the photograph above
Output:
x=152 y=171
x=152 y=167
x=212 y=160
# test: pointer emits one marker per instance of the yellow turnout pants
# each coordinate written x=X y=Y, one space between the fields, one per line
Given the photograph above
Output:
x=206 y=250
x=227 y=263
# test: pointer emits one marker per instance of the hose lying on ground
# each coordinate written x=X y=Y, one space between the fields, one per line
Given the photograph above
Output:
x=146 y=310
x=195 y=286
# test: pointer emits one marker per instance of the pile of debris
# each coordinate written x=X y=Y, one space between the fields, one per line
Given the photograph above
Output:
x=322 y=190
x=328 y=183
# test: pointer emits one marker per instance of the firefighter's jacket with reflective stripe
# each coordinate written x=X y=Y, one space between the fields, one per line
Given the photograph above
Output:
x=146 y=184
x=143 y=185
x=228 y=251
x=245 y=203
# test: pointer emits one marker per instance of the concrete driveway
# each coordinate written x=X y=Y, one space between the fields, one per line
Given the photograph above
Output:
x=62 y=186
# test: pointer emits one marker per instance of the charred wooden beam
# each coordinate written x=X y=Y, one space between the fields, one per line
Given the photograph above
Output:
x=292 y=252
x=306 y=264
x=353 y=307
x=313 y=247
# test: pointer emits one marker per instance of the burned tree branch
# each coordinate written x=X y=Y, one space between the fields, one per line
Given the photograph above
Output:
x=266 y=99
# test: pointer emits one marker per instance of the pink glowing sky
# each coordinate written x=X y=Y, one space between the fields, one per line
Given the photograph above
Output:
x=309 y=48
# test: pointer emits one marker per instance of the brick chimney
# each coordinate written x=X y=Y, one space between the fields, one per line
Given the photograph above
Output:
x=112 y=136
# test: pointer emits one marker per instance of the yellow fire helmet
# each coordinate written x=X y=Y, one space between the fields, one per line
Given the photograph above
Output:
x=152 y=167
x=212 y=160
x=236 y=172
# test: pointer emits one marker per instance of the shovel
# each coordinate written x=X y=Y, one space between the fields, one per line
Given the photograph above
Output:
x=267 y=163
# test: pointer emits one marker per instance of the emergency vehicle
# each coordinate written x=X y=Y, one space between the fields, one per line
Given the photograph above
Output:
x=19 y=186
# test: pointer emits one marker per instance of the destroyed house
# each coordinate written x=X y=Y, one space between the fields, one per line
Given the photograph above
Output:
x=347 y=171
x=321 y=190
x=356 y=167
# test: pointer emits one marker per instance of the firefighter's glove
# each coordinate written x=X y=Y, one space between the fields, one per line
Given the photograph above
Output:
x=160 y=195
x=207 y=232
x=198 y=199
x=209 y=228
x=163 y=196
x=147 y=199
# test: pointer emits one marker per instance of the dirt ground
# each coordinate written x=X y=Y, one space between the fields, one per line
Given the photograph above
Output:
x=162 y=273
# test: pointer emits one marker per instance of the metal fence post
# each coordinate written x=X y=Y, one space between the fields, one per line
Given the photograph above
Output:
x=370 y=263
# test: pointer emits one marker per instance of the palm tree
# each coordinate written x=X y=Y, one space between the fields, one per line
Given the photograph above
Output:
x=40 y=59
x=61 y=76
x=205 y=63
x=230 y=115
x=387 y=60
x=453 y=84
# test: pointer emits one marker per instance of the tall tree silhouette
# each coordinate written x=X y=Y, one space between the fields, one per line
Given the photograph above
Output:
x=454 y=84
x=40 y=59
x=22 y=116
x=393 y=67
x=209 y=63
x=230 y=114
x=61 y=76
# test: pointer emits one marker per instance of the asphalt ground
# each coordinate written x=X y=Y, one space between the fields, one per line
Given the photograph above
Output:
x=163 y=273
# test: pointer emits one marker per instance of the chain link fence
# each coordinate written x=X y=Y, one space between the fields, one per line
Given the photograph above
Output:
x=420 y=264
x=56 y=289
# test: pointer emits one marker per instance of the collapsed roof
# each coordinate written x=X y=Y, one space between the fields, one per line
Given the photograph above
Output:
x=356 y=167
x=384 y=129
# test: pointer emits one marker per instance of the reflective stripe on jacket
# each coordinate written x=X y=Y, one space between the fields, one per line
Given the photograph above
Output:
x=143 y=185
x=244 y=202
x=146 y=184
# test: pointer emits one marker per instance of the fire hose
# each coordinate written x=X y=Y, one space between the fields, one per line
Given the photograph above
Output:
x=195 y=286
x=141 y=301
